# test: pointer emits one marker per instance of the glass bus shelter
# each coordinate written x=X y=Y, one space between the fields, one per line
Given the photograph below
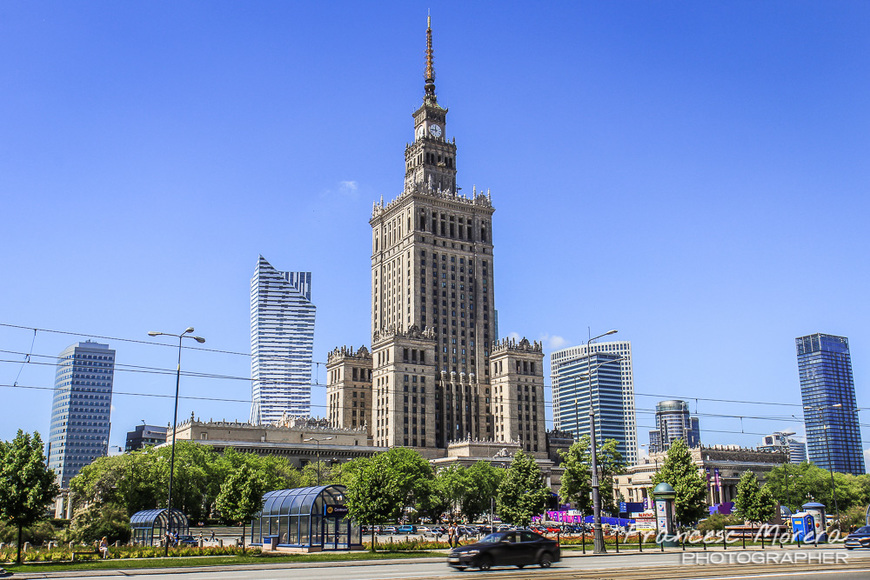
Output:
x=313 y=518
x=149 y=526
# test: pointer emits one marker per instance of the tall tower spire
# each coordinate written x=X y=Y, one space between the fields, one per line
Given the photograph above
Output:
x=430 y=67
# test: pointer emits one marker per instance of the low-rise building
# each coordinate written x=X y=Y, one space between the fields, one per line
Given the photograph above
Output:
x=143 y=436
x=720 y=465
x=301 y=440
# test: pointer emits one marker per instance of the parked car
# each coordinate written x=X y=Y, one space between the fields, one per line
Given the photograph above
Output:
x=519 y=548
x=388 y=530
x=406 y=529
x=424 y=531
x=860 y=538
x=187 y=541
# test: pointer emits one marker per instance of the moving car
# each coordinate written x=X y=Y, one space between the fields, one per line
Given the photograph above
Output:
x=516 y=548
x=860 y=538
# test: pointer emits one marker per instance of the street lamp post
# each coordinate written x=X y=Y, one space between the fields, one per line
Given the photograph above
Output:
x=828 y=451
x=199 y=339
x=831 y=464
x=318 y=440
x=596 y=496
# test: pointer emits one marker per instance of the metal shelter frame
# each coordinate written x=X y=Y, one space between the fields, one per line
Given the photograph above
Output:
x=149 y=526
x=306 y=517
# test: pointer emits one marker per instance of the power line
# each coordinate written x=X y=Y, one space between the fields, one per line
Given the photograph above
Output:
x=119 y=339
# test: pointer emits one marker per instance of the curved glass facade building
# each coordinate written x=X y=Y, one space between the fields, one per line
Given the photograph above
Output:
x=282 y=343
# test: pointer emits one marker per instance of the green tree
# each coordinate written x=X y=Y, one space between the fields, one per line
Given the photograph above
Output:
x=95 y=521
x=794 y=485
x=522 y=492
x=241 y=496
x=381 y=487
x=577 y=479
x=681 y=472
x=27 y=486
x=447 y=491
x=481 y=482
x=754 y=503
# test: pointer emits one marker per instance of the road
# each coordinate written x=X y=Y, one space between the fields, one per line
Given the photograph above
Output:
x=804 y=564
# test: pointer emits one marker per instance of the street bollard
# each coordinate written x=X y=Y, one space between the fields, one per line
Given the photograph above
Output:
x=743 y=538
x=724 y=540
x=583 y=539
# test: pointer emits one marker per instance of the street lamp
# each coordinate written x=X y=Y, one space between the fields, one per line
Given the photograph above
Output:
x=596 y=497
x=318 y=440
x=200 y=340
x=830 y=461
x=784 y=439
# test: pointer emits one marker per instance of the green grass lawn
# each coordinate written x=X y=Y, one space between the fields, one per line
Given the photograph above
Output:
x=183 y=561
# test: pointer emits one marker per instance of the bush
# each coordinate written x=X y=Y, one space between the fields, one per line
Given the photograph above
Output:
x=718 y=522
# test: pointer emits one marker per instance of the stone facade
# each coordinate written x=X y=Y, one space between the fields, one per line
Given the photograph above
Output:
x=433 y=312
x=517 y=410
x=731 y=461
x=286 y=437
x=349 y=387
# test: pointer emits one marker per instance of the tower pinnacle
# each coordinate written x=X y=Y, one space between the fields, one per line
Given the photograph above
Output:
x=430 y=67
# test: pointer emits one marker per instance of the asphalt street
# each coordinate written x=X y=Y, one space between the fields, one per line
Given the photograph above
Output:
x=771 y=564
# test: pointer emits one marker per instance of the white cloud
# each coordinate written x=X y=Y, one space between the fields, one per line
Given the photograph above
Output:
x=514 y=336
x=348 y=186
x=554 y=342
x=343 y=190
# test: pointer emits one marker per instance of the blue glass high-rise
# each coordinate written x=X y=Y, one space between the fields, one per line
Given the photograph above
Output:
x=82 y=407
x=830 y=408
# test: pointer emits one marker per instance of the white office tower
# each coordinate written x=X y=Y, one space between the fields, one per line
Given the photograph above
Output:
x=282 y=343
x=567 y=388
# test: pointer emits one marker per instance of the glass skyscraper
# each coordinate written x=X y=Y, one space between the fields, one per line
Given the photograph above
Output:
x=282 y=343
x=673 y=421
x=81 y=411
x=830 y=409
x=612 y=393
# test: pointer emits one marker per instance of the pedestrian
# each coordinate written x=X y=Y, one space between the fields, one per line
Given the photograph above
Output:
x=451 y=535
x=104 y=547
x=212 y=536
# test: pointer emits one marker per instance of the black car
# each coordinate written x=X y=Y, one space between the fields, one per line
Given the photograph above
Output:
x=860 y=538
x=514 y=548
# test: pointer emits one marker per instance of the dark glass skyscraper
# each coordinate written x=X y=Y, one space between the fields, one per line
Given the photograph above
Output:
x=830 y=409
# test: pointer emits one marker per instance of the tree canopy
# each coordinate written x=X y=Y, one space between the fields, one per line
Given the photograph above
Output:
x=681 y=472
x=754 y=503
x=577 y=479
x=794 y=485
x=522 y=493
x=27 y=486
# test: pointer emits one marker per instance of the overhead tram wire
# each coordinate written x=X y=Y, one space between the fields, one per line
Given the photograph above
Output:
x=318 y=406
x=195 y=374
x=317 y=364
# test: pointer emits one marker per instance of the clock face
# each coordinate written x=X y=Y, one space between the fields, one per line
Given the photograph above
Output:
x=435 y=130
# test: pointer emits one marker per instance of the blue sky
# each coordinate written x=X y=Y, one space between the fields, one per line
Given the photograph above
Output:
x=692 y=174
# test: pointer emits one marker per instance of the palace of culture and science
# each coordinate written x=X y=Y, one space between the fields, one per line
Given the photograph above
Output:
x=436 y=373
